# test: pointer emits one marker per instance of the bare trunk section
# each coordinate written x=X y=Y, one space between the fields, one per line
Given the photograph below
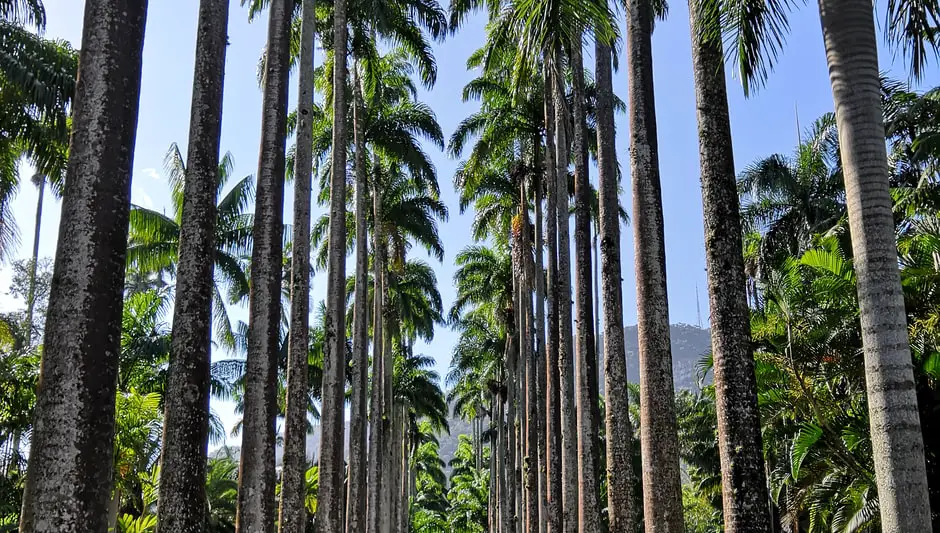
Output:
x=619 y=430
x=588 y=416
x=503 y=466
x=552 y=414
x=662 y=494
x=256 y=503
x=512 y=373
x=897 y=441
x=40 y=181
x=374 y=474
x=527 y=333
x=293 y=516
x=390 y=330
x=569 y=458
x=186 y=426
x=356 y=500
x=69 y=480
x=330 y=510
x=744 y=486
x=539 y=421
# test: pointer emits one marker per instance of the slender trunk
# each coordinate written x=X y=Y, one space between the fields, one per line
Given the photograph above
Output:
x=376 y=443
x=68 y=480
x=405 y=474
x=569 y=461
x=619 y=430
x=256 y=503
x=597 y=297
x=356 y=508
x=552 y=415
x=744 y=486
x=391 y=333
x=186 y=427
x=519 y=435
x=897 y=442
x=589 y=508
x=34 y=264
x=492 y=514
x=540 y=463
x=330 y=509
x=512 y=367
x=293 y=515
x=662 y=493
x=503 y=450
x=529 y=360
x=395 y=467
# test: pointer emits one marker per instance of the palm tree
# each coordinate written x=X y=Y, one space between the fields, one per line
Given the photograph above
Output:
x=793 y=199
x=619 y=431
x=330 y=519
x=662 y=494
x=852 y=56
x=38 y=81
x=154 y=238
x=293 y=480
x=183 y=461
x=588 y=414
x=739 y=431
x=256 y=503
x=68 y=480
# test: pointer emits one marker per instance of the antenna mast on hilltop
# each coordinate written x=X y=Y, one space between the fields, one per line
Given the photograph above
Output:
x=698 y=308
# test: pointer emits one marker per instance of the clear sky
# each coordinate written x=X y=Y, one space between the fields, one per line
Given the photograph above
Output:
x=797 y=93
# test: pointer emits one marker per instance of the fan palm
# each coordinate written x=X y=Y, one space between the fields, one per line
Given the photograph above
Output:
x=154 y=238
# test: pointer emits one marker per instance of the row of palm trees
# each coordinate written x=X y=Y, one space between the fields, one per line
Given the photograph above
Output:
x=532 y=60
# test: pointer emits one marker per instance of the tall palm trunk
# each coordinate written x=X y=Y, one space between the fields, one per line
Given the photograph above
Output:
x=68 y=480
x=512 y=376
x=502 y=455
x=376 y=443
x=256 y=504
x=617 y=419
x=589 y=508
x=744 y=486
x=356 y=495
x=569 y=457
x=391 y=333
x=540 y=463
x=552 y=414
x=529 y=360
x=662 y=493
x=897 y=442
x=40 y=181
x=330 y=510
x=294 y=480
x=186 y=428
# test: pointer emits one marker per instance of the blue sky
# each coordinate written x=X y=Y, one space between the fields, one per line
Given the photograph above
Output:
x=766 y=123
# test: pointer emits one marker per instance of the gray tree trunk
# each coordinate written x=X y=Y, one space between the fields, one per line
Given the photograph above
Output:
x=662 y=493
x=503 y=465
x=376 y=444
x=552 y=414
x=897 y=442
x=569 y=457
x=527 y=333
x=293 y=517
x=40 y=181
x=68 y=482
x=330 y=510
x=617 y=419
x=256 y=503
x=356 y=500
x=539 y=420
x=186 y=425
x=390 y=330
x=588 y=417
x=512 y=382
x=744 y=485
